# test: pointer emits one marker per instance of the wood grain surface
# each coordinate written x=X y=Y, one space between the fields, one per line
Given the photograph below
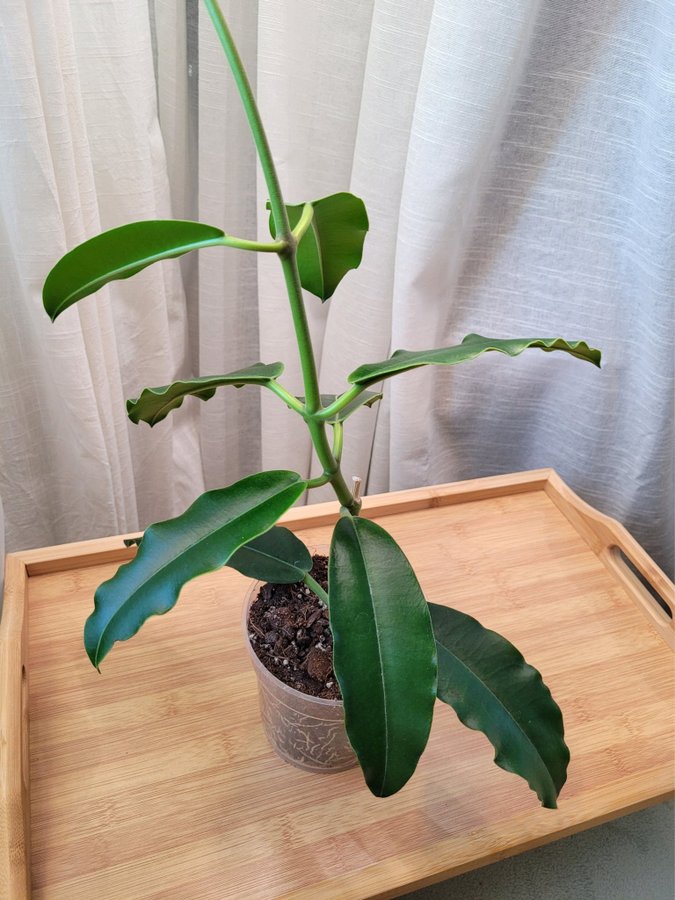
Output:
x=154 y=779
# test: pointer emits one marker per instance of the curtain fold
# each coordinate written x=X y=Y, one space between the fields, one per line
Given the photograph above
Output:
x=517 y=165
x=516 y=161
x=227 y=300
x=569 y=234
x=81 y=151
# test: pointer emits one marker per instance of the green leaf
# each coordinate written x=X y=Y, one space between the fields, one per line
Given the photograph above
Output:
x=333 y=243
x=492 y=689
x=383 y=651
x=277 y=556
x=120 y=253
x=472 y=345
x=367 y=398
x=155 y=404
x=171 y=553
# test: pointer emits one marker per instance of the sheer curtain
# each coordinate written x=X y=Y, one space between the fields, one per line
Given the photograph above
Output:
x=82 y=151
x=516 y=161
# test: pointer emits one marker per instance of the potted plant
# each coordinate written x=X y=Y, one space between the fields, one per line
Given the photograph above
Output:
x=394 y=654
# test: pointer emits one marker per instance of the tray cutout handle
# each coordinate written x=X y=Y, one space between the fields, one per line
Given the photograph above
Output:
x=622 y=555
x=650 y=588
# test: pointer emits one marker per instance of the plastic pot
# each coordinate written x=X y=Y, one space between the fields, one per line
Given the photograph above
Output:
x=307 y=732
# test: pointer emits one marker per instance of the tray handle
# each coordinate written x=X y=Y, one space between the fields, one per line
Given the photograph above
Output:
x=622 y=555
x=624 y=563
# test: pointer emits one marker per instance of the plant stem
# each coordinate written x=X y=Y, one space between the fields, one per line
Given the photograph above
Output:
x=310 y=378
x=288 y=257
x=258 y=246
x=290 y=401
x=340 y=402
x=319 y=481
x=304 y=222
x=331 y=466
x=252 y=114
x=338 y=437
x=283 y=229
x=318 y=590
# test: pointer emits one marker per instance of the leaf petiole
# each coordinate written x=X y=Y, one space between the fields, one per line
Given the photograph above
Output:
x=338 y=435
x=229 y=240
x=304 y=222
x=290 y=401
x=314 y=586
x=319 y=481
x=327 y=413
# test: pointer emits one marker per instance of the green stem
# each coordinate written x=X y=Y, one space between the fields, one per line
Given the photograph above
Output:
x=282 y=226
x=258 y=246
x=338 y=436
x=252 y=114
x=288 y=257
x=331 y=466
x=319 y=481
x=288 y=398
x=310 y=378
x=304 y=222
x=339 y=403
x=314 y=586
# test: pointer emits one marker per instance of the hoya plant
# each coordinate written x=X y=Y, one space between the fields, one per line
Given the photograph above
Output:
x=394 y=653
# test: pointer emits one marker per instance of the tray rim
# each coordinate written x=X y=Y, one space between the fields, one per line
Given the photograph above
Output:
x=605 y=536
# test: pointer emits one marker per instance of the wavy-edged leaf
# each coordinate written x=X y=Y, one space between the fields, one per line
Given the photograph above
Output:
x=384 y=652
x=472 y=345
x=154 y=404
x=492 y=689
x=367 y=398
x=333 y=243
x=171 y=553
x=121 y=253
x=277 y=556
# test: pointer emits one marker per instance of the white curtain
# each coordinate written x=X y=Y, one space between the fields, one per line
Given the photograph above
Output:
x=517 y=164
x=81 y=151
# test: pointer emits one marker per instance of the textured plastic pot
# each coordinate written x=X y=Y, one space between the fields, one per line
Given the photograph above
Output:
x=307 y=732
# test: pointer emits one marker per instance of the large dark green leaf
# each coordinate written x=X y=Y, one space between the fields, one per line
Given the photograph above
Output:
x=492 y=689
x=155 y=404
x=277 y=556
x=333 y=243
x=120 y=253
x=383 y=650
x=171 y=553
x=367 y=398
x=472 y=345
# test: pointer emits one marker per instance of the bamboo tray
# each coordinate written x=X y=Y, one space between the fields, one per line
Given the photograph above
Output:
x=154 y=780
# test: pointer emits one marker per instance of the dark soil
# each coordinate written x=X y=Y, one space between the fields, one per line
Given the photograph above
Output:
x=289 y=632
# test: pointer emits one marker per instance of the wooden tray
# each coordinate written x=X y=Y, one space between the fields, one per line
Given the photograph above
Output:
x=154 y=780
